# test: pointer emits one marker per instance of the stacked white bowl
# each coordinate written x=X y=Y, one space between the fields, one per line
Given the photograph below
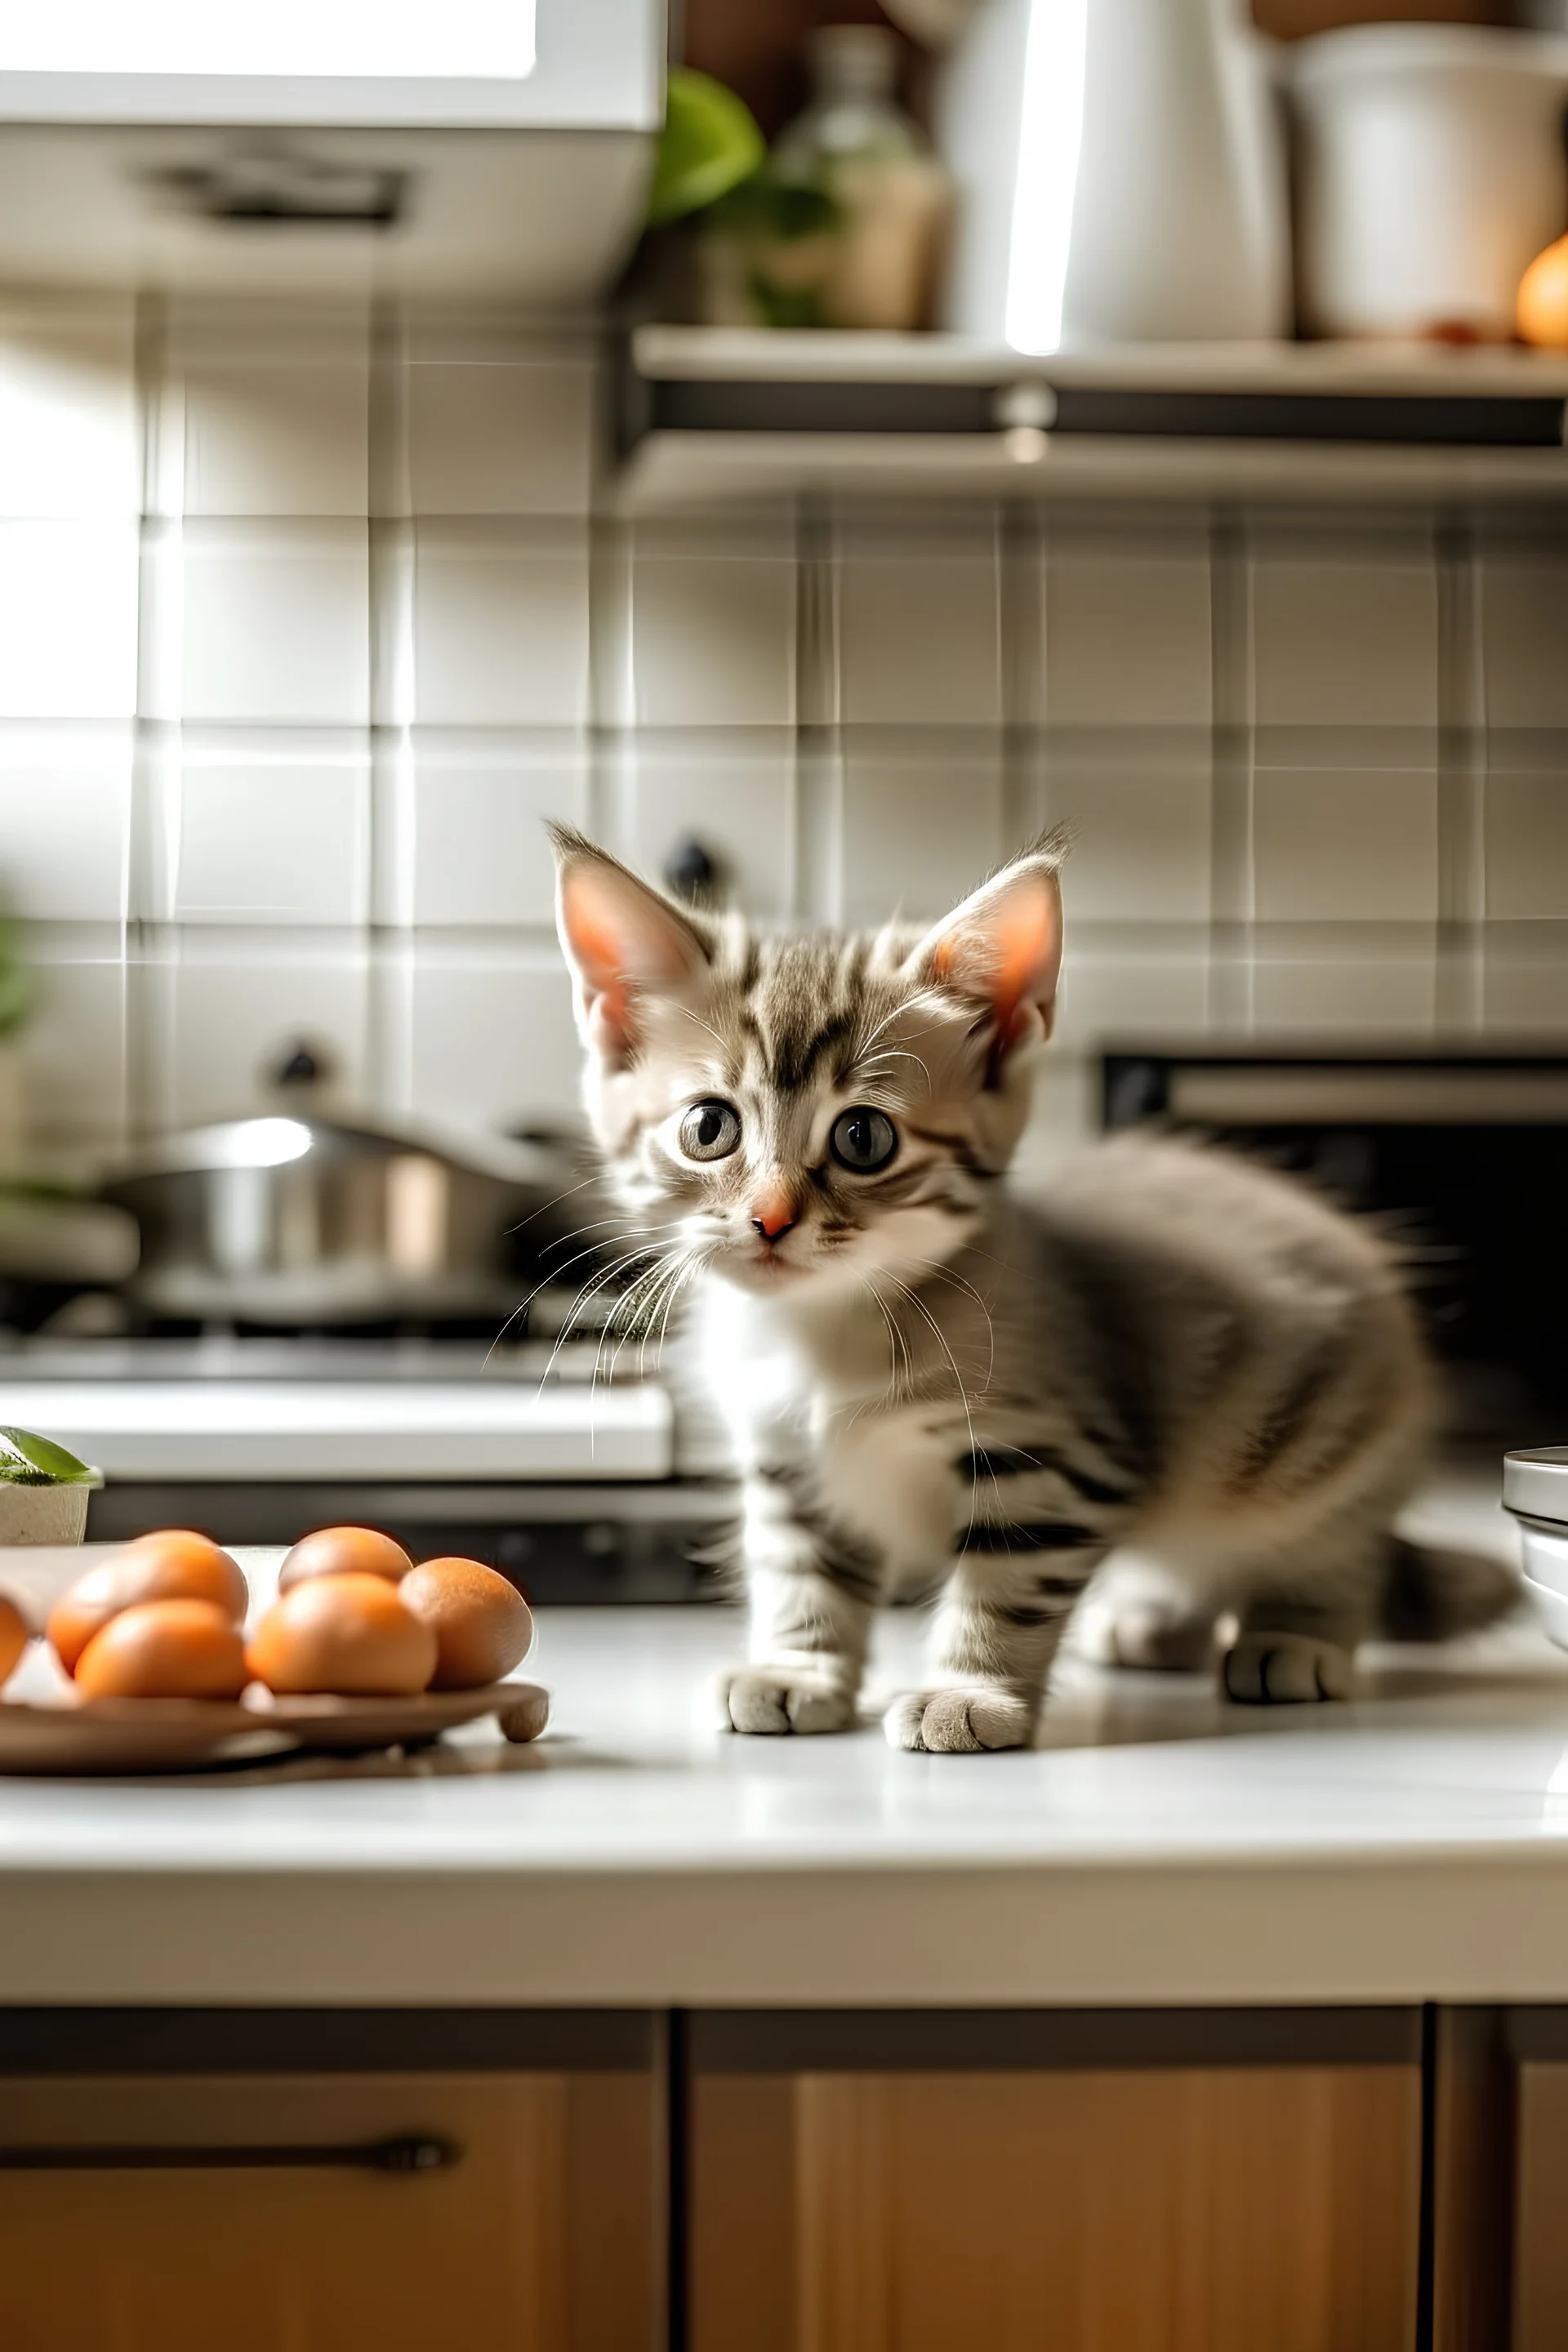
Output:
x=1535 y=1489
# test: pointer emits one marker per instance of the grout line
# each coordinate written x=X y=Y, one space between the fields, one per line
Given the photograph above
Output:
x=393 y=569
x=1462 y=777
x=1022 y=622
x=816 y=884
x=1232 y=846
x=147 y=1016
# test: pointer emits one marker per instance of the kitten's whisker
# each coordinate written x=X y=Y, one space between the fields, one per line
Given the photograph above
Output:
x=943 y=1273
x=545 y=1280
x=717 y=1036
x=958 y=1377
x=583 y=1301
x=565 y=1194
x=895 y=1337
x=648 y=1278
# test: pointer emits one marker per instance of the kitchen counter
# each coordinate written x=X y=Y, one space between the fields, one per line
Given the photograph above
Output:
x=1158 y=1846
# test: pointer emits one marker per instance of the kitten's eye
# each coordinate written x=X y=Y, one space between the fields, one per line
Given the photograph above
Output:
x=864 y=1140
x=710 y=1130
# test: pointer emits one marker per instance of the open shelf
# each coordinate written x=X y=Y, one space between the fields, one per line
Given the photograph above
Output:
x=713 y=414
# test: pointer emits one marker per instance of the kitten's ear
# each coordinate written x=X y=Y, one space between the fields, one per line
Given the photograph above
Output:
x=623 y=942
x=1002 y=947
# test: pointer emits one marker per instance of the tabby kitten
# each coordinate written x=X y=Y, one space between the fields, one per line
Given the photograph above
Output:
x=1174 y=1356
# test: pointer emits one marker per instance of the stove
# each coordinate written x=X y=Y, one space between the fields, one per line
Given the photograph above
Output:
x=580 y=1482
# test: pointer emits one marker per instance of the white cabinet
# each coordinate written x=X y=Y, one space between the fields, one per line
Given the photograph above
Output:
x=498 y=146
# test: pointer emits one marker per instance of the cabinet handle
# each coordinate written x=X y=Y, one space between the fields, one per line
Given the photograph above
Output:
x=410 y=2152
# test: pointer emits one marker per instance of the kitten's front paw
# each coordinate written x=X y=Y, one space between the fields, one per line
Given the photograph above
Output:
x=783 y=1699
x=1286 y=1669
x=959 y=1721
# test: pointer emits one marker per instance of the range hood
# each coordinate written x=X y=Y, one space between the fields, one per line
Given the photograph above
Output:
x=435 y=147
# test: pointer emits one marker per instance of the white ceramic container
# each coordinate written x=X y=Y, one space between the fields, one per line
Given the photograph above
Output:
x=1535 y=1489
x=1119 y=175
x=43 y=1515
x=1430 y=173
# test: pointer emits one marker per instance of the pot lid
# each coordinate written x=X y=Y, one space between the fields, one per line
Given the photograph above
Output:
x=273 y=1139
x=1535 y=1482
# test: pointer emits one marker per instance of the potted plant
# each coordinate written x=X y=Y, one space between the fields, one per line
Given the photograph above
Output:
x=43 y=1490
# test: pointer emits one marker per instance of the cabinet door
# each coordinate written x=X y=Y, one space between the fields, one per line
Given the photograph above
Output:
x=531 y=2228
x=1166 y=2208
x=1540 y=2241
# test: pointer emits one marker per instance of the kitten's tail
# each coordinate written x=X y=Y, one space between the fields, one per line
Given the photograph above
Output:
x=1430 y=1593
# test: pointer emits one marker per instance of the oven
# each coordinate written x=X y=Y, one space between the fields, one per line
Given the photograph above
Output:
x=1461 y=1158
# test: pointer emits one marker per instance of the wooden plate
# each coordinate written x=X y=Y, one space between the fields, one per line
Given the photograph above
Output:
x=57 y=1732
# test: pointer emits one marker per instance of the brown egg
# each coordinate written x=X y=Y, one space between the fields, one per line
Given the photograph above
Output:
x=1542 y=311
x=481 y=1623
x=344 y=1552
x=175 y=1566
x=164 y=1649
x=13 y=1637
x=350 y=1634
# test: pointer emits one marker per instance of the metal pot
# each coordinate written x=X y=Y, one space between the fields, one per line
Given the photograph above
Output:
x=300 y=1218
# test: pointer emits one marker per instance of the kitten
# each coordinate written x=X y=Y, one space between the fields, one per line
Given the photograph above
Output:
x=1175 y=1356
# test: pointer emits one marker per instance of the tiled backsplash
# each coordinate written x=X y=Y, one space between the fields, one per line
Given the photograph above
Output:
x=306 y=622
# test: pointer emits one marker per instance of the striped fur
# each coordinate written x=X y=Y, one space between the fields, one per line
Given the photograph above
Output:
x=1174 y=1356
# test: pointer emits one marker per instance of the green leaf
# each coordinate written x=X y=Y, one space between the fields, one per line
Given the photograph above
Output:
x=32 y=1461
x=710 y=142
x=767 y=207
x=786 y=306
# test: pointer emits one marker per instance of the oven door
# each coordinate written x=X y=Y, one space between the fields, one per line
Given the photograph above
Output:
x=1463 y=1161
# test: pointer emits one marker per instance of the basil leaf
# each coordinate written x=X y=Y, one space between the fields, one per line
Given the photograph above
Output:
x=39 y=1462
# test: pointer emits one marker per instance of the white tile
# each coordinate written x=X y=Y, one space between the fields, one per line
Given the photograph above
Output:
x=283 y=438
x=235 y=1019
x=919 y=632
x=919 y=831
x=1375 y=995
x=1525 y=992
x=1525 y=623
x=273 y=840
x=67 y=620
x=499 y=437
x=277 y=624
x=1127 y=635
x=1333 y=847
x=1349 y=643
x=481 y=855
x=713 y=640
x=500 y=628
x=1527 y=848
x=1139 y=842
x=74 y=1054
x=65 y=823
x=738 y=807
x=1111 y=992
x=68 y=441
x=492 y=1039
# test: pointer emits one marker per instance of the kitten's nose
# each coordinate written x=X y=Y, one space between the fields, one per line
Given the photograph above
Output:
x=774 y=1218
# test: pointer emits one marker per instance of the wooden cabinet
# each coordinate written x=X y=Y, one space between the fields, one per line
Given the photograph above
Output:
x=1348 y=2180
x=1103 y=2183
x=372 y=2184
x=1537 y=2048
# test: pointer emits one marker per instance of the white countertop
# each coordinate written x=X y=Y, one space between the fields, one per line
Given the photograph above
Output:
x=1158 y=1846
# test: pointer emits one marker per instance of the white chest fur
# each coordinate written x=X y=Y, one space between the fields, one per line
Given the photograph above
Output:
x=816 y=1390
